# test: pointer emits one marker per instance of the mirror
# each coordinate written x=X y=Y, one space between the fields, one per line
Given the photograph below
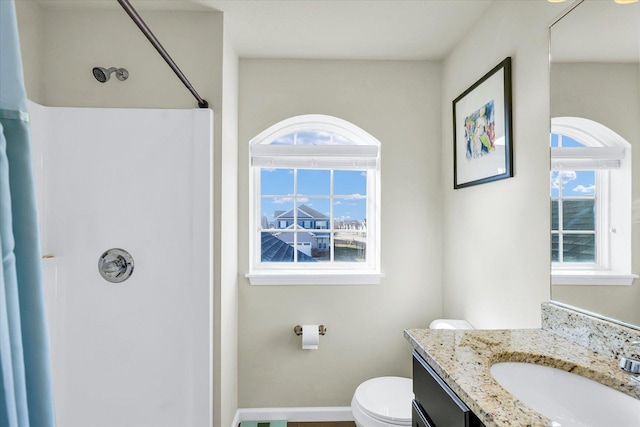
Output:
x=595 y=75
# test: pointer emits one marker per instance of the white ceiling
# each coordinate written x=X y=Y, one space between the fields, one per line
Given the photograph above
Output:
x=391 y=29
x=348 y=29
x=328 y=29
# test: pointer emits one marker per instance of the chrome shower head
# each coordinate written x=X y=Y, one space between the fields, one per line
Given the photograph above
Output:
x=102 y=74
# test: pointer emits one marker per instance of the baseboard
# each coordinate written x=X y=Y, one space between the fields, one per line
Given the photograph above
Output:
x=336 y=413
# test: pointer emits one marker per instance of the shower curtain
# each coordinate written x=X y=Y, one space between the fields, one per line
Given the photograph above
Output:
x=25 y=379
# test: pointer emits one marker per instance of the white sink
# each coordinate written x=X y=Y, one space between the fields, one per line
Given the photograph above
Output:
x=567 y=399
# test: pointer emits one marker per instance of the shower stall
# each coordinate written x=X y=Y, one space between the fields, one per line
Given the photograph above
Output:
x=136 y=350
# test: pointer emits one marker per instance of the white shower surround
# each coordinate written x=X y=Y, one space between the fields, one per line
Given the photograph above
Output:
x=136 y=353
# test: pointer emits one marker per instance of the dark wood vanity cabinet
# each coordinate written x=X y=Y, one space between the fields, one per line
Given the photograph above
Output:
x=435 y=404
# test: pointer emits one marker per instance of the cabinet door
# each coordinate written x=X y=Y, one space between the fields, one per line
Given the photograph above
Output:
x=442 y=406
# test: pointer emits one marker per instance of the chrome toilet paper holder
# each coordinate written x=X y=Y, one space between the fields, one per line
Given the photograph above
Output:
x=321 y=330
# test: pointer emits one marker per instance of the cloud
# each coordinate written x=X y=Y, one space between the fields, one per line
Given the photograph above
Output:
x=313 y=138
x=582 y=189
x=282 y=200
x=566 y=177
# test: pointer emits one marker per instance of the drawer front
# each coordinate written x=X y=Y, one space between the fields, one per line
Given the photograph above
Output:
x=443 y=407
x=418 y=417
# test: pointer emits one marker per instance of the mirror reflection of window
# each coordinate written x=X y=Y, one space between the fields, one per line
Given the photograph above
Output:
x=573 y=211
x=590 y=189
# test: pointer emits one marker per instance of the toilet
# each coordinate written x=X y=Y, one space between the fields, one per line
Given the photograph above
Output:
x=450 y=324
x=386 y=401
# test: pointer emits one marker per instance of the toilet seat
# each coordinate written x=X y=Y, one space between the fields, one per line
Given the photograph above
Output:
x=386 y=400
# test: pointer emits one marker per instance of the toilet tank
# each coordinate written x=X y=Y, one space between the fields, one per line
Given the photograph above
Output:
x=450 y=324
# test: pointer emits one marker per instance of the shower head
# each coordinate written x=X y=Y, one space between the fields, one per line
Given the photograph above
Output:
x=102 y=74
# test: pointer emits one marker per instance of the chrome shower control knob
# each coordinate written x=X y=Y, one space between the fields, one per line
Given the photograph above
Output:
x=115 y=265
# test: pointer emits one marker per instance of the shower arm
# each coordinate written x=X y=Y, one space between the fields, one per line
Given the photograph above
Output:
x=202 y=103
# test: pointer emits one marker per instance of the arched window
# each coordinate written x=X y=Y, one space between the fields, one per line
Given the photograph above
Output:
x=590 y=204
x=314 y=203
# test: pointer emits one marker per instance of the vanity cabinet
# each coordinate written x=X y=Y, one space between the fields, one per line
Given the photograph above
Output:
x=435 y=404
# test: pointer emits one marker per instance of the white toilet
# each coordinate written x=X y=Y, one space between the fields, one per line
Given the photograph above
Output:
x=386 y=401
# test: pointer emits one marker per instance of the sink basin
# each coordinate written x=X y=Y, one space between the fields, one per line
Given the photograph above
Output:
x=567 y=399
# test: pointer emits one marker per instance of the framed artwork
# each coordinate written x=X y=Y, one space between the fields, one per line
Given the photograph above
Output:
x=482 y=134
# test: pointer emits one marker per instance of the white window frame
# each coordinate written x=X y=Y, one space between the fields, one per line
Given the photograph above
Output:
x=364 y=154
x=610 y=156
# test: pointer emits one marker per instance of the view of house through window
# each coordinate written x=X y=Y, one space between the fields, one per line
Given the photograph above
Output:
x=320 y=212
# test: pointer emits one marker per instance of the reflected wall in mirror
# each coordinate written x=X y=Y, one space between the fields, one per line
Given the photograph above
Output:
x=595 y=179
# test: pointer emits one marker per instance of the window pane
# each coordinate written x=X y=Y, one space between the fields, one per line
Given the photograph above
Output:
x=341 y=140
x=578 y=183
x=314 y=243
x=304 y=242
x=274 y=249
x=313 y=214
x=578 y=214
x=554 y=139
x=555 y=248
x=350 y=246
x=276 y=182
x=579 y=247
x=312 y=137
x=314 y=182
x=276 y=212
x=570 y=142
x=284 y=140
x=347 y=183
x=350 y=214
x=554 y=214
x=322 y=250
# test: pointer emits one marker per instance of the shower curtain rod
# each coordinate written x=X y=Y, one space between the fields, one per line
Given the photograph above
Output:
x=154 y=41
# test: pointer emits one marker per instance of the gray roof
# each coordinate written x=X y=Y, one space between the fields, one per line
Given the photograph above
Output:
x=276 y=250
x=304 y=211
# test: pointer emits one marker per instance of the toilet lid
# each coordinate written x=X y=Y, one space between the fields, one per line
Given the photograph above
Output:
x=386 y=398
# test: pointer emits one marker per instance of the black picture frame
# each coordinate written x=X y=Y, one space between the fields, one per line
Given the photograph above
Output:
x=482 y=129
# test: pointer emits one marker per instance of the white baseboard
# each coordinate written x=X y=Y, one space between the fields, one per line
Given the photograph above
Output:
x=336 y=413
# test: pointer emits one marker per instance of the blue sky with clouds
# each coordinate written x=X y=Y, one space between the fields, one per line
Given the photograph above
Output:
x=573 y=183
x=314 y=187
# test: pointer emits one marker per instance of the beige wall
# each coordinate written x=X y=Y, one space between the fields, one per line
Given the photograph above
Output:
x=609 y=94
x=399 y=104
x=30 y=21
x=226 y=298
x=60 y=46
x=497 y=256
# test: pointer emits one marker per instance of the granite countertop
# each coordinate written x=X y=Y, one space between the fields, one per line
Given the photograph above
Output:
x=463 y=358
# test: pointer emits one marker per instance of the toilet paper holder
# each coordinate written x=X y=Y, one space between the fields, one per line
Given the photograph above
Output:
x=321 y=330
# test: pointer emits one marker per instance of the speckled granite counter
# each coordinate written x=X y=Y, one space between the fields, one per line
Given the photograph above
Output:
x=463 y=358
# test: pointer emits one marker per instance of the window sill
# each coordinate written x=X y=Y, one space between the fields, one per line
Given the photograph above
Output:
x=315 y=278
x=590 y=278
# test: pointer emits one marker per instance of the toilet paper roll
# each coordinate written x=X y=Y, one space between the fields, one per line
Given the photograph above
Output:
x=310 y=337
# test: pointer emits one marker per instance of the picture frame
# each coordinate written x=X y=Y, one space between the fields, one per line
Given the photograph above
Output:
x=482 y=129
